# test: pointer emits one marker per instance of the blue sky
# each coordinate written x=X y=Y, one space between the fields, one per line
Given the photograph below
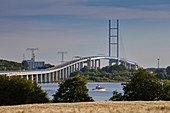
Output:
x=80 y=27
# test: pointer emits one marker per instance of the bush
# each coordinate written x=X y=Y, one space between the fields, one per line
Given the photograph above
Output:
x=17 y=90
x=72 y=90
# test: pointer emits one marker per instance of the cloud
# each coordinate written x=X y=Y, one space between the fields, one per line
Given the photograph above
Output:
x=58 y=7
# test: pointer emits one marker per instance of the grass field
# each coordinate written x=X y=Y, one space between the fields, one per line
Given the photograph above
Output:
x=92 y=107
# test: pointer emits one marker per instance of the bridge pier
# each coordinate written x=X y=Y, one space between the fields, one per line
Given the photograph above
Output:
x=65 y=73
x=89 y=63
x=52 y=76
x=27 y=77
x=81 y=65
x=32 y=78
x=70 y=69
x=97 y=64
x=36 y=79
x=40 y=78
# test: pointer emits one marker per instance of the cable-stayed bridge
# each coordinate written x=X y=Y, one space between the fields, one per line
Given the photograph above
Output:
x=64 y=70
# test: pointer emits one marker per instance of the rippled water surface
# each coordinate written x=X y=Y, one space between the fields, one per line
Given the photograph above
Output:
x=96 y=95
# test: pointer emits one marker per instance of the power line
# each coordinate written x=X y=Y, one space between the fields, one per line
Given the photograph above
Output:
x=33 y=54
x=62 y=55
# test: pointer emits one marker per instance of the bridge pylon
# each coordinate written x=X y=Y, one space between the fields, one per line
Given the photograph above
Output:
x=113 y=40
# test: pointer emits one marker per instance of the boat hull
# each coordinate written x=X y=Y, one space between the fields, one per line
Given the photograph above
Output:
x=99 y=89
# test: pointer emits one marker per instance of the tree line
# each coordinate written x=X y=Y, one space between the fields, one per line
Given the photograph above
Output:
x=142 y=86
x=11 y=65
x=6 y=65
x=16 y=90
x=114 y=73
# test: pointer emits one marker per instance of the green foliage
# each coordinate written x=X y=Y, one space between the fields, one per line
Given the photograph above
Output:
x=46 y=66
x=168 y=70
x=165 y=95
x=10 y=65
x=114 y=68
x=144 y=86
x=85 y=69
x=17 y=90
x=116 y=96
x=106 y=74
x=160 y=74
x=25 y=64
x=72 y=90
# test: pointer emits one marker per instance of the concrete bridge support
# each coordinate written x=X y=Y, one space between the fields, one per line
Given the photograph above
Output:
x=89 y=63
x=93 y=64
x=41 y=79
x=36 y=79
x=97 y=64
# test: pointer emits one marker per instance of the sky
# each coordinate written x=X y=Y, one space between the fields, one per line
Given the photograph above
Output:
x=80 y=27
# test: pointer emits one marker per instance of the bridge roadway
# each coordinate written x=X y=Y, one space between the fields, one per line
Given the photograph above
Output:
x=63 y=71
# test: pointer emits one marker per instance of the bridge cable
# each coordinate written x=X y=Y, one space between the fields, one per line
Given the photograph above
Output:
x=122 y=47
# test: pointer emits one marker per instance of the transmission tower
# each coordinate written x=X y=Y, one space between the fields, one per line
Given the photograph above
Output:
x=62 y=55
x=32 y=51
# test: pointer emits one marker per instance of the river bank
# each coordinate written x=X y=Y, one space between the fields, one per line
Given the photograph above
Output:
x=92 y=107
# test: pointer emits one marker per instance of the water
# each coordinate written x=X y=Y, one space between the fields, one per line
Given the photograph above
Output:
x=96 y=95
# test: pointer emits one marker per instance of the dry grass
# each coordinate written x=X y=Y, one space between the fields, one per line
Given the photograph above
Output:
x=92 y=107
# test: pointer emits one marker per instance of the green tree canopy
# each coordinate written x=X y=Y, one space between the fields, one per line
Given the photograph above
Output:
x=116 y=73
x=168 y=70
x=17 y=90
x=114 y=68
x=72 y=90
x=85 y=69
x=144 y=86
x=25 y=64
x=10 y=65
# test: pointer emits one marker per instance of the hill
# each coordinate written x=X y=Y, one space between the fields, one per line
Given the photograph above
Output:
x=6 y=65
x=11 y=65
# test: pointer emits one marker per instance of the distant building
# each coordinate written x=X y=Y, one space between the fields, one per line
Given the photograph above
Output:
x=34 y=64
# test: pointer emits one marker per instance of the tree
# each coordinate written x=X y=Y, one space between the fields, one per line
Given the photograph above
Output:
x=17 y=90
x=46 y=66
x=168 y=70
x=72 y=90
x=114 y=68
x=160 y=74
x=165 y=91
x=25 y=64
x=116 y=96
x=143 y=86
x=85 y=69
x=106 y=69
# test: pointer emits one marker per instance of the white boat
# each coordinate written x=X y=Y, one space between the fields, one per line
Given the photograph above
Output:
x=98 y=88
